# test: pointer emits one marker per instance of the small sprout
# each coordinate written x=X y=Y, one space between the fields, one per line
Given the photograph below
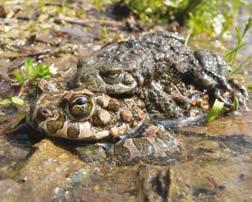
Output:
x=236 y=103
x=5 y=102
x=17 y=100
x=33 y=72
x=216 y=111
x=29 y=67
x=19 y=77
x=12 y=100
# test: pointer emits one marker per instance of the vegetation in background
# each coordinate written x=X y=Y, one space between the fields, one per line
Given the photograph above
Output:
x=231 y=55
x=214 y=17
x=99 y=4
x=55 y=8
x=13 y=100
x=33 y=72
x=29 y=75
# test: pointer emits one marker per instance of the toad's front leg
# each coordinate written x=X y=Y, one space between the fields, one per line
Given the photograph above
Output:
x=212 y=76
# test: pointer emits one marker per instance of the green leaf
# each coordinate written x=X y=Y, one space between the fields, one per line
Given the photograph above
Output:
x=239 y=68
x=215 y=111
x=247 y=26
x=5 y=102
x=231 y=55
x=17 y=100
x=29 y=66
x=236 y=103
x=19 y=77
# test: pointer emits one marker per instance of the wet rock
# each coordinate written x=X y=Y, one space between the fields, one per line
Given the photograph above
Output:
x=91 y=153
x=45 y=170
x=236 y=124
x=13 y=149
x=207 y=146
x=154 y=183
x=212 y=180
x=10 y=190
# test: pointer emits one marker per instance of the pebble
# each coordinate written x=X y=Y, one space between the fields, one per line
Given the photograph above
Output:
x=126 y=116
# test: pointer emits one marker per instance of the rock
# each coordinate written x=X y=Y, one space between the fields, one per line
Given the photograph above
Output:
x=207 y=146
x=219 y=179
x=154 y=183
x=10 y=190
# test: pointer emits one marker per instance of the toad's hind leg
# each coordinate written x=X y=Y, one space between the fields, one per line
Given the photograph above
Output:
x=181 y=122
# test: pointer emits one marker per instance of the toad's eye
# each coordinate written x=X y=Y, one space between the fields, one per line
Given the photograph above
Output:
x=81 y=107
x=81 y=101
x=112 y=77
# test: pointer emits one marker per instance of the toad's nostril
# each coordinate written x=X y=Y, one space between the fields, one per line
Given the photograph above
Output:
x=43 y=113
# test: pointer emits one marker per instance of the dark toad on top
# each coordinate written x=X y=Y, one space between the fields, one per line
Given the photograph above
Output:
x=166 y=74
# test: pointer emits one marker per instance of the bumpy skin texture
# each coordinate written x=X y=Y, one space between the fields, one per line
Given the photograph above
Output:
x=162 y=71
x=85 y=116
x=155 y=146
x=82 y=115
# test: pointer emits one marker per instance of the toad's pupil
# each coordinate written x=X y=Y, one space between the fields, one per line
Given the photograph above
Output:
x=81 y=101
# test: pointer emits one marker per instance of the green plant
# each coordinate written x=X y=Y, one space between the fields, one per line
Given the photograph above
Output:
x=213 y=17
x=33 y=72
x=152 y=11
x=216 y=111
x=29 y=74
x=99 y=4
x=231 y=55
x=12 y=100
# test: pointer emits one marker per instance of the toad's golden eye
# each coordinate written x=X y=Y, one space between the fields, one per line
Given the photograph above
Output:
x=81 y=107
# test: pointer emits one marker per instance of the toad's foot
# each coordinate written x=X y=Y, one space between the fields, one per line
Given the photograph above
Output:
x=233 y=91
